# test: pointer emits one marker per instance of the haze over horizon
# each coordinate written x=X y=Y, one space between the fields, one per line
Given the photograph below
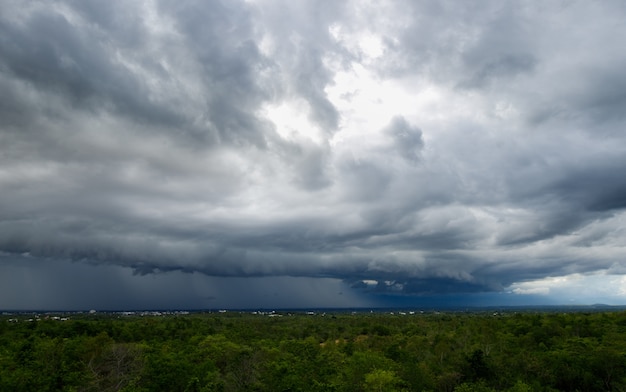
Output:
x=266 y=153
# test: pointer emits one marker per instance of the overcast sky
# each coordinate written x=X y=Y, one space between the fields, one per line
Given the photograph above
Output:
x=202 y=154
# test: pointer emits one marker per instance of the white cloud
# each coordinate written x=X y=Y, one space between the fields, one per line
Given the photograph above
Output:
x=576 y=288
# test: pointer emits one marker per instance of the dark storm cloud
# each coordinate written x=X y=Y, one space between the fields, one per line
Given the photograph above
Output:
x=219 y=39
x=148 y=137
x=77 y=64
x=300 y=40
x=103 y=58
x=407 y=139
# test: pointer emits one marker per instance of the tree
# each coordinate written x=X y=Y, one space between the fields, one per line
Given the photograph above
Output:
x=476 y=368
x=117 y=367
x=379 y=380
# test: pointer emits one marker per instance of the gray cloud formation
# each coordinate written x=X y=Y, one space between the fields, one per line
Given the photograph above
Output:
x=407 y=139
x=138 y=135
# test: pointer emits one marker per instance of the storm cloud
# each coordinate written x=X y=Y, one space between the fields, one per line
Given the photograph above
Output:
x=402 y=149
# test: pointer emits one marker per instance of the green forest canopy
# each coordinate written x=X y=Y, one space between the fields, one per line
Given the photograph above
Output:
x=511 y=351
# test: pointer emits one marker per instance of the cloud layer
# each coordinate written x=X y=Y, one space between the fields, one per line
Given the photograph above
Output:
x=429 y=147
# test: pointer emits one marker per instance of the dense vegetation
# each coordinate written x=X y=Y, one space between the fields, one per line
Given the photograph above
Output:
x=333 y=352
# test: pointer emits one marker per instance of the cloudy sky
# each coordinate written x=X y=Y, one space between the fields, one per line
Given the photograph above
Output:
x=261 y=153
